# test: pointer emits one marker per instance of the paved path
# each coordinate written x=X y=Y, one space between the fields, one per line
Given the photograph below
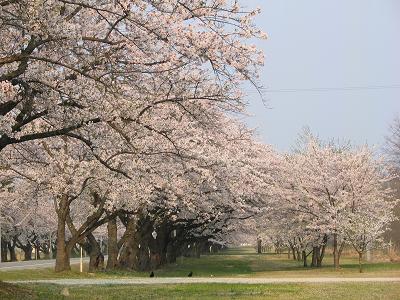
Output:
x=232 y=280
x=34 y=264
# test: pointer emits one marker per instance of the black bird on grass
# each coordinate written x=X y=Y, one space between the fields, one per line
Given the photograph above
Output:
x=152 y=274
x=190 y=274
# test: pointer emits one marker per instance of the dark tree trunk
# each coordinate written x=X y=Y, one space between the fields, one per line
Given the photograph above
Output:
x=139 y=251
x=11 y=248
x=259 y=246
x=112 y=261
x=144 y=237
x=27 y=252
x=158 y=247
x=129 y=248
x=96 y=258
x=37 y=251
x=304 y=255
x=171 y=253
x=63 y=252
x=4 y=246
x=321 y=257
x=335 y=252
x=299 y=258
x=360 y=256
x=315 y=256
x=340 y=251
x=196 y=250
x=13 y=254
x=322 y=251
x=54 y=251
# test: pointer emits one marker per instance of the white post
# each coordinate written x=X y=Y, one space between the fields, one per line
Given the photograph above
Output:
x=50 y=249
x=81 y=261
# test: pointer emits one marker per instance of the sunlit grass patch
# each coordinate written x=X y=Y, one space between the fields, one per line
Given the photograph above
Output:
x=226 y=291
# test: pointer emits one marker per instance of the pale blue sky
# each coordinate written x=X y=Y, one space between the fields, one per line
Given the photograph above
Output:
x=328 y=44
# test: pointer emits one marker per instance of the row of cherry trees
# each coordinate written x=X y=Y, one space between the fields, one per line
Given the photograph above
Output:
x=184 y=201
x=117 y=118
x=329 y=192
x=321 y=192
x=114 y=113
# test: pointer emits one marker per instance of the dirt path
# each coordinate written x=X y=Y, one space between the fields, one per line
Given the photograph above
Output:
x=185 y=280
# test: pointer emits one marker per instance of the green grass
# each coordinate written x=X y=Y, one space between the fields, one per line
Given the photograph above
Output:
x=222 y=291
x=13 y=291
x=242 y=262
x=232 y=263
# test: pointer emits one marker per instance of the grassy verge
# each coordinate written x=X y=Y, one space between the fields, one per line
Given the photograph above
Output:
x=12 y=291
x=222 y=291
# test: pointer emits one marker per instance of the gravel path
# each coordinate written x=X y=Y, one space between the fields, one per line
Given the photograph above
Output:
x=180 y=280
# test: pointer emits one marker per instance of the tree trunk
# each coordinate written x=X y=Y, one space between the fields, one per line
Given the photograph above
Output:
x=11 y=248
x=360 y=256
x=37 y=250
x=63 y=252
x=54 y=251
x=304 y=255
x=144 y=237
x=96 y=258
x=4 y=246
x=129 y=248
x=259 y=246
x=299 y=258
x=27 y=252
x=322 y=252
x=315 y=255
x=320 y=257
x=112 y=261
x=293 y=253
x=340 y=251
x=196 y=253
x=171 y=253
x=335 y=252
x=158 y=247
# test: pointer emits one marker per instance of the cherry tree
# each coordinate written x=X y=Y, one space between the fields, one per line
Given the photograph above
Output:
x=372 y=202
x=139 y=84
x=28 y=218
x=194 y=160
x=326 y=187
x=392 y=151
x=68 y=64
x=216 y=178
x=393 y=143
x=365 y=230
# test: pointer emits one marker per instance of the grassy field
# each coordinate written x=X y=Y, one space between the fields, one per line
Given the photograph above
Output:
x=231 y=263
x=216 y=291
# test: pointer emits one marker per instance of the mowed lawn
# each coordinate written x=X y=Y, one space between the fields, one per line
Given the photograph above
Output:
x=212 y=291
x=243 y=262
